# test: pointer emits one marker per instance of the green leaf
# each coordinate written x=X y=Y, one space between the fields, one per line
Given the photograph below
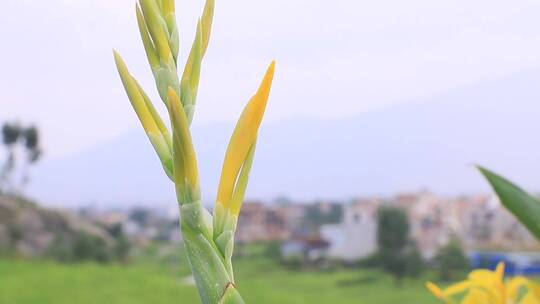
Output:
x=524 y=206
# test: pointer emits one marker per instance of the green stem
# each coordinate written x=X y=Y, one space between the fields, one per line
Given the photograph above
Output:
x=208 y=265
x=231 y=296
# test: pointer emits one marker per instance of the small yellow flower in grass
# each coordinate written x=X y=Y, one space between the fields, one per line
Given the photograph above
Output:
x=239 y=155
x=488 y=287
x=435 y=290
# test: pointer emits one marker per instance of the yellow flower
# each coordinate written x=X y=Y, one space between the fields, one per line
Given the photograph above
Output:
x=488 y=287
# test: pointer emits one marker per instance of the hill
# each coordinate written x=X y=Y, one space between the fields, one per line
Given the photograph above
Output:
x=28 y=230
x=425 y=144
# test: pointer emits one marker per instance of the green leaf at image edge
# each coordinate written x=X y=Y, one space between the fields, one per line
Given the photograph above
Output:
x=524 y=206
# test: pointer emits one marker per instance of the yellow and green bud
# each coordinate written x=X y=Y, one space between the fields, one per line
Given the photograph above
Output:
x=186 y=174
x=191 y=76
x=157 y=27
x=241 y=147
x=154 y=127
x=151 y=53
x=168 y=12
x=206 y=22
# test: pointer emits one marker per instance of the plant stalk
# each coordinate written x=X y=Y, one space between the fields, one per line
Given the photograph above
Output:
x=209 y=267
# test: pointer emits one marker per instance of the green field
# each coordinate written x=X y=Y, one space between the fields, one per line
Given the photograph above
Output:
x=260 y=281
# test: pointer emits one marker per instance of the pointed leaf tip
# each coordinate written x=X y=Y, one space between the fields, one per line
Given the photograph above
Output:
x=207 y=19
x=266 y=84
x=524 y=206
x=117 y=57
x=269 y=76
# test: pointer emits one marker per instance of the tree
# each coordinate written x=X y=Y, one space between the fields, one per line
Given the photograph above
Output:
x=15 y=136
x=414 y=263
x=392 y=240
x=10 y=136
x=122 y=245
x=451 y=260
x=321 y=214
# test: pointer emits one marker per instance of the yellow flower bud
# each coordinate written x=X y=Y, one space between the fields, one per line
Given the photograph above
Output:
x=186 y=174
x=243 y=140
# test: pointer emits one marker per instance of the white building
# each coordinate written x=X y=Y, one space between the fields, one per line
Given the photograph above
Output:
x=356 y=236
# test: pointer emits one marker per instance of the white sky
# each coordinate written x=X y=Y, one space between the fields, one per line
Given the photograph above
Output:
x=335 y=58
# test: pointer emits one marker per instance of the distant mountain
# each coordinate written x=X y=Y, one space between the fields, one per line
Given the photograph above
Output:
x=429 y=144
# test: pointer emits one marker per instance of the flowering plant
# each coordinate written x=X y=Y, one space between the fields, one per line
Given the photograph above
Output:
x=209 y=240
x=489 y=287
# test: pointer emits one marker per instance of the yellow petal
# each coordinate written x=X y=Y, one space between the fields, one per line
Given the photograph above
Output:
x=457 y=288
x=514 y=286
x=489 y=281
x=483 y=276
x=243 y=138
x=530 y=298
x=499 y=271
x=477 y=296
x=536 y=289
x=435 y=290
x=499 y=284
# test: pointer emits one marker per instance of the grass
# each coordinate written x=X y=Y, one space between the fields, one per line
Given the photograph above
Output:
x=264 y=283
x=260 y=281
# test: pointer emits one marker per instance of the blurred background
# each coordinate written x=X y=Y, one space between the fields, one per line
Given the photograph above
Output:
x=378 y=114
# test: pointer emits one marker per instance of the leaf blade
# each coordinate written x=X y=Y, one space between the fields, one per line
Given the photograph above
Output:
x=523 y=205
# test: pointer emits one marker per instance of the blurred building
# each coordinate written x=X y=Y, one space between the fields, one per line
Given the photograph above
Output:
x=309 y=249
x=260 y=223
x=356 y=236
x=478 y=222
x=491 y=226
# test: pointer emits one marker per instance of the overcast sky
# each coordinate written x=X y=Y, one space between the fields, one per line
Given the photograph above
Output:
x=335 y=58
